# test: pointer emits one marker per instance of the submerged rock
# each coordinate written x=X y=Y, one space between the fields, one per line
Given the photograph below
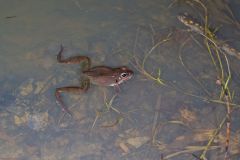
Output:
x=37 y=121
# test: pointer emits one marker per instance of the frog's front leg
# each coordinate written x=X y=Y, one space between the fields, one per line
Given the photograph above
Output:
x=73 y=60
x=69 y=89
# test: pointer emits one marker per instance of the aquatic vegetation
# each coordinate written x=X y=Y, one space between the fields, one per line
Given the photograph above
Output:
x=218 y=51
x=215 y=46
x=141 y=66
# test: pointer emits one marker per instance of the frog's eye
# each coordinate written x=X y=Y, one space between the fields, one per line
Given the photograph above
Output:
x=124 y=75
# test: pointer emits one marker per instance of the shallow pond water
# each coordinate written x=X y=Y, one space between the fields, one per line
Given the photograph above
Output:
x=172 y=117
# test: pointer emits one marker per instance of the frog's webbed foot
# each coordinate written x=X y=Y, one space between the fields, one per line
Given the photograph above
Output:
x=73 y=60
x=69 y=89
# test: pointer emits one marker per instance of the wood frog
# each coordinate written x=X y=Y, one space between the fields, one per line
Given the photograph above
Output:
x=100 y=75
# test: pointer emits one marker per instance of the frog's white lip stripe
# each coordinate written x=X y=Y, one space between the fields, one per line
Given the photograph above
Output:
x=121 y=81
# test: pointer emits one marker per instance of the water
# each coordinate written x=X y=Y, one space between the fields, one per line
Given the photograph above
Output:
x=148 y=120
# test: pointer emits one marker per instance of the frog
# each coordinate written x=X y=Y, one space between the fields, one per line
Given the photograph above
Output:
x=98 y=75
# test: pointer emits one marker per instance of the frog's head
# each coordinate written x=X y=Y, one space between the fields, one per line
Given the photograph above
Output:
x=124 y=74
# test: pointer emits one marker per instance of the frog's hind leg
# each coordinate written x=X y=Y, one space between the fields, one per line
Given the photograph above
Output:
x=69 y=89
x=73 y=60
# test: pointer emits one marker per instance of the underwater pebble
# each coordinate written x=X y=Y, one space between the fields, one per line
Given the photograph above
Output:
x=39 y=87
x=37 y=122
x=137 y=141
x=124 y=147
x=26 y=88
x=20 y=120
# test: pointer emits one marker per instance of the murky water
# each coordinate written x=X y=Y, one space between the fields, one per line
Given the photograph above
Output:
x=146 y=119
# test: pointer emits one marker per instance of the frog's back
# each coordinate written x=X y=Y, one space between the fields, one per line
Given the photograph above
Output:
x=101 y=75
x=98 y=71
x=107 y=76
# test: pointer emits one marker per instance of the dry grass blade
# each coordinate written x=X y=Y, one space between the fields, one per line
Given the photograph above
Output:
x=189 y=72
x=98 y=114
x=118 y=121
x=155 y=120
x=141 y=66
x=189 y=149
